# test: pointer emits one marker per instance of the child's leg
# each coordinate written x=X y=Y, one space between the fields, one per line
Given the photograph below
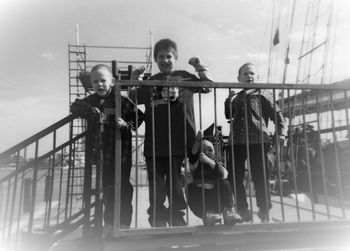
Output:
x=178 y=200
x=225 y=194
x=195 y=200
x=256 y=162
x=240 y=155
x=108 y=194
x=161 y=213
x=126 y=187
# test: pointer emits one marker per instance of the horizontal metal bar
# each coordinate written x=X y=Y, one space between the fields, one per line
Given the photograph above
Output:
x=207 y=84
x=111 y=47
x=338 y=128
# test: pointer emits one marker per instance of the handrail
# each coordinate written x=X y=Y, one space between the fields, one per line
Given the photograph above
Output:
x=197 y=84
x=36 y=136
x=50 y=153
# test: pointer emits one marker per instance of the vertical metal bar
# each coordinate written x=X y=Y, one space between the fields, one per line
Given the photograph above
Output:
x=292 y=156
x=60 y=190
x=73 y=180
x=6 y=208
x=46 y=193
x=185 y=147
x=136 y=159
x=248 y=153
x=19 y=207
x=69 y=170
x=324 y=180
x=52 y=176
x=87 y=191
x=347 y=113
x=118 y=165
x=307 y=157
x=170 y=161
x=14 y=196
x=204 y=215
x=154 y=164
x=33 y=197
x=340 y=187
x=278 y=155
x=263 y=153
x=232 y=155
x=217 y=148
x=99 y=171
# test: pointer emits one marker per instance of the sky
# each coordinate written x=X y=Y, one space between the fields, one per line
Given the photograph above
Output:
x=224 y=34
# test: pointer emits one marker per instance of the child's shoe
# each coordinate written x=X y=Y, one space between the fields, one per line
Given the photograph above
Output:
x=245 y=214
x=230 y=217
x=179 y=222
x=107 y=231
x=211 y=218
x=264 y=215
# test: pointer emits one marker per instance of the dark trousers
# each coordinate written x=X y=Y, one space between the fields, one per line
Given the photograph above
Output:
x=263 y=199
x=108 y=176
x=195 y=198
x=162 y=189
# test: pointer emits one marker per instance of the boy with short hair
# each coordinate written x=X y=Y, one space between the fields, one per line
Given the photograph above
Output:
x=214 y=183
x=103 y=101
x=179 y=101
x=257 y=106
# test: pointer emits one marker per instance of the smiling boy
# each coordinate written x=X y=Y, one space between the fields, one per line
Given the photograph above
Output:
x=182 y=122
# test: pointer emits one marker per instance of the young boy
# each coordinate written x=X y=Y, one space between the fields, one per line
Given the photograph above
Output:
x=214 y=183
x=179 y=101
x=103 y=101
x=257 y=106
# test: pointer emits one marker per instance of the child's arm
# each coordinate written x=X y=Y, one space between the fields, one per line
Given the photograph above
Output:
x=219 y=169
x=275 y=109
x=82 y=107
x=195 y=148
x=143 y=93
x=193 y=157
x=202 y=70
x=228 y=103
x=129 y=110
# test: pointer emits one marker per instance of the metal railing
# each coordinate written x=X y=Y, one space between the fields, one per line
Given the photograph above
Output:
x=306 y=175
x=42 y=194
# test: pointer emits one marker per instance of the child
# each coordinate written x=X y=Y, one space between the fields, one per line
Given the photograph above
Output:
x=103 y=101
x=257 y=106
x=214 y=179
x=180 y=101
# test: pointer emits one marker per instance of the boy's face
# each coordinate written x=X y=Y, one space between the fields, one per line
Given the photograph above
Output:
x=102 y=81
x=247 y=74
x=166 y=60
x=208 y=149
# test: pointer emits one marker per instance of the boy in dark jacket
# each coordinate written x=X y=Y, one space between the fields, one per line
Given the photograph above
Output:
x=103 y=101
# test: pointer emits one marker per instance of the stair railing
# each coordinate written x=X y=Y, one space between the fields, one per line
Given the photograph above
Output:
x=37 y=192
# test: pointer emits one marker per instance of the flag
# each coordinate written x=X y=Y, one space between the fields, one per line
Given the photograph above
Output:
x=276 y=38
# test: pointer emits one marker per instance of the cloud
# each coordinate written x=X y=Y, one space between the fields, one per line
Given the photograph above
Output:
x=257 y=56
x=239 y=31
x=48 y=56
x=21 y=118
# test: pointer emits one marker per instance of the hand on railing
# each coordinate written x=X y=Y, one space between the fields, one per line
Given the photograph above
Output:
x=137 y=73
x=120 y=123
